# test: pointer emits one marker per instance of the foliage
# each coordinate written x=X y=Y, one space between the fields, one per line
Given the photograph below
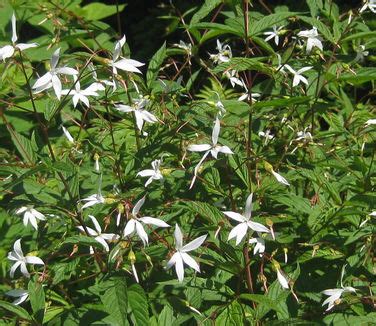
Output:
x=98 y=179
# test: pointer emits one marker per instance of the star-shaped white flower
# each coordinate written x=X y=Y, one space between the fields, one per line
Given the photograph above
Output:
x=8 y=50
x=21 y=295
x=212 y=148
x=361 y=53
x=95 y=198
x=20 y=260
x=141 y=114
x=224 y=53
x=81 y=94
x=30 y=215
x=260 y=245
x=273 y=34
x=245 y=222
x=180 y=256
x=134 y=224
x=153 y=174
x=298 y=75
x=335 y=294
x=98 y=235
x=313 y=39
x=370 y=4
x=51 y=78
x=123 y=64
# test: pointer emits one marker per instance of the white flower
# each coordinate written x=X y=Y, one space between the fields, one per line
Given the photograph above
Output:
x=280 y=178
x=233 y=76
x=370 y=122
x=123 y=64
x=8 y=50
x=184 y=46
x=213 y=149
x=298 y=75
x=140 y=113
x=153 y=174
x=95 y=198
x=134 y=224
x=282 y=279
x=313 y=39
x=273 y=34
x=267 y=135
x=51 y=78
x=20 y=260
x=20 y=294
x=81 y=94
x=67 y=134
x=224 y=53
x=98 y=235
x=361 y=53
x=180 y=256
x=260 y=245
x=304 y=135
x=335 y=294
x=370 y=4
x=245 y=222
x=30 y=215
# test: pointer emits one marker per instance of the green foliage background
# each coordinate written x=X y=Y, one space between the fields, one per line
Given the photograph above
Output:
x=318 y=220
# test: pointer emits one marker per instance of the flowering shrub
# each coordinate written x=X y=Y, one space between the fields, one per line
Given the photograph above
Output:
x=228 y=180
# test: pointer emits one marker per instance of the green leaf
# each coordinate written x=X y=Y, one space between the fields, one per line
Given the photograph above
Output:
x=360 y=35
x=166 y=317
x=361 y=76
x=205 y=9
x=232 y=315
x=115 y=300
x=255 y=27
x=19 y=311
x=212 y=214
x=155 y=63
x=282 y=102
x=37 y=299
x=97 y=10
x=23 y=145
x=138 y=305
x=81 y=240
x=242 y=64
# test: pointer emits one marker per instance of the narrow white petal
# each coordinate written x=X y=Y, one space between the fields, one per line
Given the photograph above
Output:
x=239 y=232
x=137 y=207
x=34 y=260
x=96 y=224
x=42 y=81
x=56 y=84
x=215 y=132
x=129 y=228
x=102 y=242
x=124 y=108
x=172 y=261
x=199 y=148
x=280 y=178
x=13 y=268
x=145 y=173
x=257 y=227
x=225 y=150
x=66 y=71
x=33 y=221
x=282 y=279
x=194 y=244
x=190 y=261
x=24 y=46
x=21 y=210
x=248 y=207
x=24 y=270
x=55 y=58
x=17 y=248
x=126 y=65
x=141 y=233
x=154 y=221
x=235 y=216
x=179 y=267
x=178 y=237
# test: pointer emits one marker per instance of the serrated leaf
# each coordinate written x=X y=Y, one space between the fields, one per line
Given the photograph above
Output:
x=242 y=64
x=18 y=311
x=205 y=9
x=23 y=145
x=209 y=212
x=138 y=305
x=155 y=64
x=37 y=299
x=255 y=27
x=115 y=300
